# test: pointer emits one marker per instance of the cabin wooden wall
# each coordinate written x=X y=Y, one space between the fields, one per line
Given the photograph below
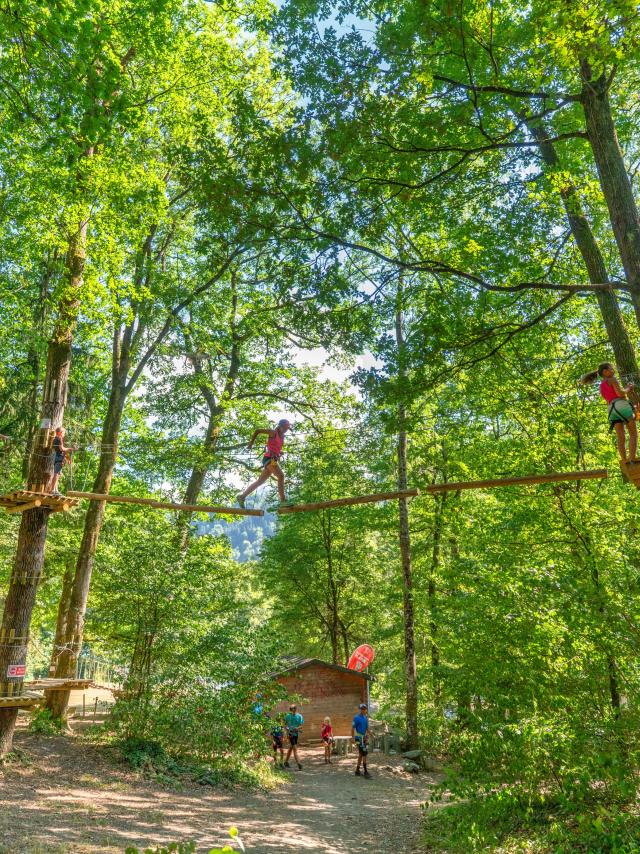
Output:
x=325 y=691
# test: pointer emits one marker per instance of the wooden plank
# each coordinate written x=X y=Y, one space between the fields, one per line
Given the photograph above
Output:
x=164 y=505
x=631 y=473
x=347 y=502
x=20 y=702
x=25 y=499
x=52 y=684
x=20 y=508
x=591 y=474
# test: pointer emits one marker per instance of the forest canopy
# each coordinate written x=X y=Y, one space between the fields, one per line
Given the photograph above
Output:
x=408 y=228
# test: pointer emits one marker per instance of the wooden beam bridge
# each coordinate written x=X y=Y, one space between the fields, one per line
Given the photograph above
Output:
x=164 y=505
x=21 y=500
x=524 y=480
x=454 y=486
x=347 y=502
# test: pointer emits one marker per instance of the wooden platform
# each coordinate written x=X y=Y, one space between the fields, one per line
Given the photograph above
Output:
x=51 y=684
x=25 y=499
x=631 y=473
x=347 y=502
x=21 y=701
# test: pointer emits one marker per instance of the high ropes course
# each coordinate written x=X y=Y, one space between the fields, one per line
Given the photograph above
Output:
x=21 y=500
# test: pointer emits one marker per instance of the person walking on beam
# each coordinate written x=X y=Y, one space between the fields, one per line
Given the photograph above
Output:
x=270 y=460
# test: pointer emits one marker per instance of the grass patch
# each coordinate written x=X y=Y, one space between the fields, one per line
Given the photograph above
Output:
x=502 y=823
x=15 y=757
x=151 y=759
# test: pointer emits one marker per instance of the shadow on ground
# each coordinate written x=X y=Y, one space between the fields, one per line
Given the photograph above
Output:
x=70 y=797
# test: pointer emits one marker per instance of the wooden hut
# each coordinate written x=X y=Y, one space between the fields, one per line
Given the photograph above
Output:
x=322 y=689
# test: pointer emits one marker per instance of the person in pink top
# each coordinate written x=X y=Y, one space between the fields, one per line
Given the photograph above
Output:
x=621 y=412
x=326 y=734
x=270 y=460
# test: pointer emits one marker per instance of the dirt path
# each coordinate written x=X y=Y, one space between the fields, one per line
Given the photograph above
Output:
x=69 y=799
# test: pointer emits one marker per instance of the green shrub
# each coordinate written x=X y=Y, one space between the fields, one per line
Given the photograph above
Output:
x=44 y=723
x=222 y=772
x=510 y=821
x=189 y=847
x=140 y=752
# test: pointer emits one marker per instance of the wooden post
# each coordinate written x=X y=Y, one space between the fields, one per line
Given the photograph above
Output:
x=347 y=502
x=95 y=710
x=591 y=474
x=84 y=708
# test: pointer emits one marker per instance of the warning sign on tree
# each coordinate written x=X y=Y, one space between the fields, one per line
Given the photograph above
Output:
x=16 y=670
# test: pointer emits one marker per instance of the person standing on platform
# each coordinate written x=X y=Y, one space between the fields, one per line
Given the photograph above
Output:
x=60 y=456
x=360 y=737
x=293 y=723
x=621 y=413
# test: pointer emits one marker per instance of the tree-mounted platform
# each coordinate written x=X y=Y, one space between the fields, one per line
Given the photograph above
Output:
x=555 y=477
x=631 y=473
x=26 y=499
x=21 y=701
x=52 y=684
x=347 y=502
x=164 y=505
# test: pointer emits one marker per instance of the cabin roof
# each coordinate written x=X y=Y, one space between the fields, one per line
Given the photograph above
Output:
x=293 y=662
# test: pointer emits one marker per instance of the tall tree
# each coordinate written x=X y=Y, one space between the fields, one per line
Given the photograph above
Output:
x=80 y=114
x=411 y=675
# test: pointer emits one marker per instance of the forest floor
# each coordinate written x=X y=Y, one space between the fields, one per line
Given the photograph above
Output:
x=69 y=796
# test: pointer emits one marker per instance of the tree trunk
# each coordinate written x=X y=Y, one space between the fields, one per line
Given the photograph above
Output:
x=216 y=410
x=587 y=244
x=614 y=690
x=70 y=645
x=29 y=559
x=199 y=473
x=33 y=359
x=614 y=179
x=333 y=622
x=410 y=668
x=345 y=642
x=438 y=524
x=63 y=610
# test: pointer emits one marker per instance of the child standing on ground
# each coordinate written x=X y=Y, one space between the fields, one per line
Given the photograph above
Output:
x=326 y=734
x=621 y=413
x=271 y=456
x=360 y=736
x=277 y=740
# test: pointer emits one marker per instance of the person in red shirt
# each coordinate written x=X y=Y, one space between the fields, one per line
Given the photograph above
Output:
x=621 y=412
x=326 y=734
x=270 y=459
